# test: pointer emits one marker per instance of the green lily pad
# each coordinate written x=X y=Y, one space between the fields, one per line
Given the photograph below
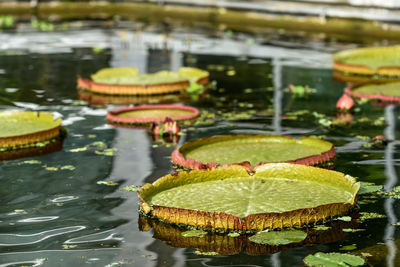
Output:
x=115 y=75
x=384 y=91
x=367 y=188
x=127 y=81
x=333 y=260
x=255 y=149
x=143 y=115
x=277 y=238
x=375 y=60
x=131 y=76
x=243 y=201
x=21 y=128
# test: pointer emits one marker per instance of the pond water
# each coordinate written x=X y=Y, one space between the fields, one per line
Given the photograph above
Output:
x=58 y=210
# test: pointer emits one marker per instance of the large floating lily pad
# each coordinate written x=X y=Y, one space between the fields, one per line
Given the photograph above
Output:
x=234 y=243
x=143 y=115
x=383 y=61
x=127 y=81
x=23 y=128
x=230 y=198
x=388 y=92
x=255 y=149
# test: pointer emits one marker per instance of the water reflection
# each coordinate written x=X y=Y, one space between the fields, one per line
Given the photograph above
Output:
x=225 y=244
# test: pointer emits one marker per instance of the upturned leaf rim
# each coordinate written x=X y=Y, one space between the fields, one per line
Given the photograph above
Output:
x=213 y=220
x=179 y=158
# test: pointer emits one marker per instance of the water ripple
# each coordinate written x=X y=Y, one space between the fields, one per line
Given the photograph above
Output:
x=20 y=240
x=64 y=199
x=39 y=219
x=97 y=237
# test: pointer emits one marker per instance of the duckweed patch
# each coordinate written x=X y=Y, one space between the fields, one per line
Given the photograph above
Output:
x=370 y=215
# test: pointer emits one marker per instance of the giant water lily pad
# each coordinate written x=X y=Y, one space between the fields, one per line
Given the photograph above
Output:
x=127 y=81
x=143 y=115
x=383 y=61
x=22 y=128
x=388 y=92
x=231 y=198
x=255 y=149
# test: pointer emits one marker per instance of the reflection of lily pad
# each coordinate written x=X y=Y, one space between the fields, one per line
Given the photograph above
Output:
x=383 y=61
x=143 y=115
x=389 y=92
x=127 y=81
x=333 y=260
x=277 y=238
x=233 y=242
x=231 y=198
x=234 y=149
x=23 y=128
x=101 y=100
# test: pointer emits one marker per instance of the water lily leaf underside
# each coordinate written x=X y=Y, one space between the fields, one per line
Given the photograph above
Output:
x=141 y=115
x=127 y=81
x=383 y=61
x=207 y=153
x=389 y=91
x=230 y=198
x=21 y=128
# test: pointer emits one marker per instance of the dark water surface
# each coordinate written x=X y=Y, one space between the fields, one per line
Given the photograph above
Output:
x=55 y=213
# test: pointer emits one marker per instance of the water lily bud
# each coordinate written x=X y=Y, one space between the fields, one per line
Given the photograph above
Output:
x=345 y=102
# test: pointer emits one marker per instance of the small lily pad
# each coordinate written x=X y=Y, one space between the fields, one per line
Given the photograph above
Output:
x=333 y=260
x=344 y=218
x=277 y=238
x=348 y=247
x=194 y=233
x=350 y=230
x=322 y=228
x=233 y=234
x=367 y=188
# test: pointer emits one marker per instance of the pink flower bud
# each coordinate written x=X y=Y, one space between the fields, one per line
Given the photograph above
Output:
x=345 y=102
